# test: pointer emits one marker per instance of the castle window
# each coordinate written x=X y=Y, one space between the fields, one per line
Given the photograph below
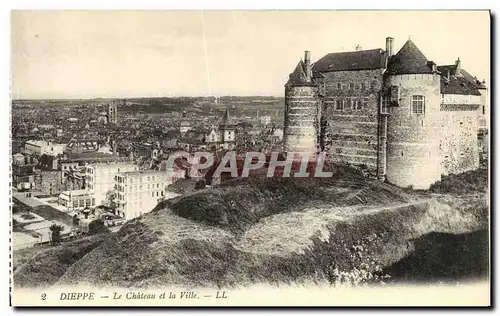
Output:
x=351 y=86
x=339 y=105
x=418 y=104
x=322 y=89
x=356 y=104
x=386 y=101
x=339 y=86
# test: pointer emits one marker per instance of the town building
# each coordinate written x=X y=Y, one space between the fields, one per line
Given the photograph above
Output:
x=23 y=172
x=100 y=177
x=185 y=126
x=112 y=114
x=138 y=192
x=78 y=145
x=265 y=120
x=37 y=148
x=400 y=115
x=76 y=200
x=223 y=137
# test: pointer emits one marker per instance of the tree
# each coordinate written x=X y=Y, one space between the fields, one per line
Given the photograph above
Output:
x=111 y=200
x=55 y=233
x=97 y=226
x=76 y=220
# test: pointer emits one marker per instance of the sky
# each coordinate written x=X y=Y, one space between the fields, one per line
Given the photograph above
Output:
x=89 y=54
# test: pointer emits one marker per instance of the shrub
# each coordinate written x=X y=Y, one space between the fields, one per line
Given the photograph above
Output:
x=97 y=226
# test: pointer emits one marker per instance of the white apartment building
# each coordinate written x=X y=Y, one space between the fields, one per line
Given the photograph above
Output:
x=40 y=147
x=76 y=200
x=100 y=177
x=138 y=192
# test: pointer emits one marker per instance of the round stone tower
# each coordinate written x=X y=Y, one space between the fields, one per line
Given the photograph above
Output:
x=301 y=109
x=412 y=90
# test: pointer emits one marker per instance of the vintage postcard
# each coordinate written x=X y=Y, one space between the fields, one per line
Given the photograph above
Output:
x=250 y=158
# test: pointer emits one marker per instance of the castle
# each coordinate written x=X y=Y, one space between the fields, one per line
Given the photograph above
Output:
x=401 y=115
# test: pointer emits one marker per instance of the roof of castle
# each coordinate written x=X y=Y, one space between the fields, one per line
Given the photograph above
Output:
x=409 y=60
x=298 y=76
x=356 y=60
x=464 y=84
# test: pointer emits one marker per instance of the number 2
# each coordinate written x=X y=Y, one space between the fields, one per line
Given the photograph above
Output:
x=44 y=296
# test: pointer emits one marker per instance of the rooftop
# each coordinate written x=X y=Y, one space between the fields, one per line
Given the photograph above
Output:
x=464 y=84
x=75 y=192
x=355 y=60
x=143 y=172
x=409 y=60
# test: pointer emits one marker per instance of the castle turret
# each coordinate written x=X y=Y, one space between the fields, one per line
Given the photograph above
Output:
x=412 y=90
x=301 y=109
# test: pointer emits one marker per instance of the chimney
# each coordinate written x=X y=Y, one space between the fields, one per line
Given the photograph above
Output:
x=458 y=67
x=307 y=62
x=358 y=47
x=432 y=65
x=389 y=46
x=448 y=75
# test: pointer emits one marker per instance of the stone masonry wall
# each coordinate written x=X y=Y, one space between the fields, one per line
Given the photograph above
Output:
x=413 y=139
x=459 y=144
x=350 y=134
x=301 y=111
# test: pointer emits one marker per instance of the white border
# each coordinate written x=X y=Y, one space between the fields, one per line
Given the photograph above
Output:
x=214 y=4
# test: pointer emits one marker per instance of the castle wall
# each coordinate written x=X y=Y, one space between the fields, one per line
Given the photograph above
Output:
x=462 y=117
x=301 y=110
x=350 y=134
x=413 y=139
x=460 y=99
x=459 y=143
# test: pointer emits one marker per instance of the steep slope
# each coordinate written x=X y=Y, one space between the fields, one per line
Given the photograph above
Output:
x=276 y=231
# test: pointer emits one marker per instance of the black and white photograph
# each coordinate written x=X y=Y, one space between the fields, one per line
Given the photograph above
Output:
x=250 y=158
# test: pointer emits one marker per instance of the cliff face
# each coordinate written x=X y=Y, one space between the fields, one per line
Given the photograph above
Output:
x=275 y=232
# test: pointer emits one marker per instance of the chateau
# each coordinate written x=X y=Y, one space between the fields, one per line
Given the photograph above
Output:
x=404 y=117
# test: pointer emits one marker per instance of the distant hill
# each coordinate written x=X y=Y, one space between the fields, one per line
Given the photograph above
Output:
x=239 y=105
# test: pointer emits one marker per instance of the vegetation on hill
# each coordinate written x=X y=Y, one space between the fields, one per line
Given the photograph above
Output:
x=45 y=267
x=344 y=229
x=475 y=181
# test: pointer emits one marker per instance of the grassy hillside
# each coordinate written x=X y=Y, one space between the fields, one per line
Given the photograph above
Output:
x=45 y=267
x=345 y=229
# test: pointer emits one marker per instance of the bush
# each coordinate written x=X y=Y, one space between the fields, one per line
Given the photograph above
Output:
x=27 y=216
x=55 y=232
x=97 y=227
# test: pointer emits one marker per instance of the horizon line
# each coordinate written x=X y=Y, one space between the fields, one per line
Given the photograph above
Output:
x=143 y=97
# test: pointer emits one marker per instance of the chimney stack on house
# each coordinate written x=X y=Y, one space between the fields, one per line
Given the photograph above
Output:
x=307 y=62
x=432 y=65
x=458 y=67
x=358 y=47
x=389 y=46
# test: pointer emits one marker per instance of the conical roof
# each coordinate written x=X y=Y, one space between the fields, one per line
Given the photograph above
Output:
x=409 y=60
x=298 y=76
